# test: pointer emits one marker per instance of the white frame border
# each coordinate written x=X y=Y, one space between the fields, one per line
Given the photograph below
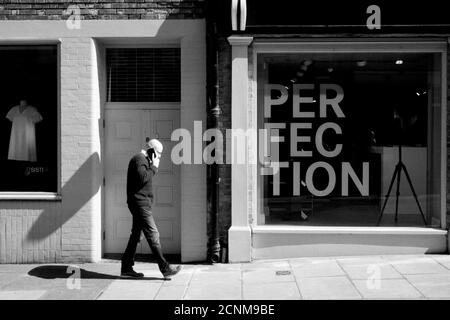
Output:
x=38 y=195
x=393 y=45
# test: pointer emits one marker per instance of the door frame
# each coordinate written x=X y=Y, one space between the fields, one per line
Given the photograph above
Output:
x=175 y=106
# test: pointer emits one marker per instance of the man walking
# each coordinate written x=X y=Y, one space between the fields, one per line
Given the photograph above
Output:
x=141 y=169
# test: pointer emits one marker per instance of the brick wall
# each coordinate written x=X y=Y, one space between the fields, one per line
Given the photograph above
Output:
x=101 y=9
x=30 y=232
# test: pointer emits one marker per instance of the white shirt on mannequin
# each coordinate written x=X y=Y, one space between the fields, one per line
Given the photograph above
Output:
x=22 y=144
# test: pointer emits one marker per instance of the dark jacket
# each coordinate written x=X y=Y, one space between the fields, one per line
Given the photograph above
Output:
x=139 y=181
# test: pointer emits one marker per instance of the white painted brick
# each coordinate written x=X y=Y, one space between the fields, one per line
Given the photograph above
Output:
x=77 y=92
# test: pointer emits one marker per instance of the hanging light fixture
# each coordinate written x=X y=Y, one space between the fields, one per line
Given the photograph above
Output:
x=361 y=63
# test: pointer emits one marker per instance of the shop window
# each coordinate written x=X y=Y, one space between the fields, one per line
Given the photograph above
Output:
x=143 y=74
x=29 y=117
x=343 y=119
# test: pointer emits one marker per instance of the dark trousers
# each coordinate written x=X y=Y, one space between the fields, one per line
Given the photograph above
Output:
x=142 y=222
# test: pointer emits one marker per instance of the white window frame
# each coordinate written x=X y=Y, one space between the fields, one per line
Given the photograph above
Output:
x=350 y=46
x=38 y=195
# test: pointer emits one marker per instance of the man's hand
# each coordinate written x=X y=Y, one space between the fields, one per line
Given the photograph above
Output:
x=155 y=160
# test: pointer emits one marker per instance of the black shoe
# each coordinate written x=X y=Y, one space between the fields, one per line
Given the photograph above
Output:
x=131 y=274
x=170 y=271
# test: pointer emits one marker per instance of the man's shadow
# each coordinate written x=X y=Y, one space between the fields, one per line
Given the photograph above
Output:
x=66 y=271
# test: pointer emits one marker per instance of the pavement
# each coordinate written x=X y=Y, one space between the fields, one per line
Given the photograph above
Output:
x=367 y=277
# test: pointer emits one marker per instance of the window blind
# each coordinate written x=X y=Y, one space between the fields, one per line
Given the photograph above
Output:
x=143 y=74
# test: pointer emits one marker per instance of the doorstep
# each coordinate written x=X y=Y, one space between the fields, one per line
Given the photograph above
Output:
x=279 y=242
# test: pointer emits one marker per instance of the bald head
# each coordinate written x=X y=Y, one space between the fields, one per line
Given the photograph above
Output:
x=155 y=144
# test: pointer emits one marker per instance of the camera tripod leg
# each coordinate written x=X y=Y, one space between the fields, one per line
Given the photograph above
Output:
x=414 y=193
x=397 y=194
x=388 y=194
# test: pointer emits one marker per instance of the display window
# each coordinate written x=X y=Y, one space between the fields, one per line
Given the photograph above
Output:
x=351 y=138
x=29 y=117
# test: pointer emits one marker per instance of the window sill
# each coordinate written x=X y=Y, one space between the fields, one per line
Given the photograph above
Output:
x=347 y=230
x=48 y=196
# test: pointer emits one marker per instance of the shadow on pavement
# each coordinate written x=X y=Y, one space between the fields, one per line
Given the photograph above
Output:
x=65 y=271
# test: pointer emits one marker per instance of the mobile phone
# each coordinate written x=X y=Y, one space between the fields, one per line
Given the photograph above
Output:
x=151 y=152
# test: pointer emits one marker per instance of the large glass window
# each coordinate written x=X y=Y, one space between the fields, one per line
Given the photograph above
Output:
x=343 y=128
x=28 y=129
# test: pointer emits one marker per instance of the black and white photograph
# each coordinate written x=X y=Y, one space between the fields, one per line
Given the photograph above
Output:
x=224 y=158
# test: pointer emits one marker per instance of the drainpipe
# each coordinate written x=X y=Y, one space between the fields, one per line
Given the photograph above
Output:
x=214 y=112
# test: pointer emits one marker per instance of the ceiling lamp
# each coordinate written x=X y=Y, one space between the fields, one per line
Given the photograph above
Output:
x=361 y=63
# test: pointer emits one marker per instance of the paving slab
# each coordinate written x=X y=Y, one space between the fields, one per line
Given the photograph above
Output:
x=301 y=261
x=345 y=277
x=327 y=288
x=216 y=276
x=271 y=291
x=174 y=292
x=201 y=290
x=85 y=293
x=396 y=257
x=431 y=285
x=196 y=266
x=183 y=278
x=418 y=265
x=17 y=268
x=21 y=294
x=387 y=289
x=131 y=290
x=363 y=269
x=268 y=275
x=103 y=268
x=353 y=260
x=443 y=260
x=213 y=267
x=7 y=278
x=151 y=274
x=27 y=282
x=318 y=268
x=274 y=265
x=226 y=266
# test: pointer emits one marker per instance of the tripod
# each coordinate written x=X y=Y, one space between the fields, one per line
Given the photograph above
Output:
x=397 y=173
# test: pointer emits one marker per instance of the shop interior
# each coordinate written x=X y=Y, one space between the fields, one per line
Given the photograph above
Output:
x=389 y=101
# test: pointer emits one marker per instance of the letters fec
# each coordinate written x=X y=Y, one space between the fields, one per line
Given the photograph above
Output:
x=295 y=139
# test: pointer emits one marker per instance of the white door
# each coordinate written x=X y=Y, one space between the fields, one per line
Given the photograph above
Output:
x=125 y=134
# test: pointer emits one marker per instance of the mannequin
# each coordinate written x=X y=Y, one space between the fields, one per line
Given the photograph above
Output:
x=22 y=143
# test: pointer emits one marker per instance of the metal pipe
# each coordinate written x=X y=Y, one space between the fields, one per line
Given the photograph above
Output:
x=214 y=112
